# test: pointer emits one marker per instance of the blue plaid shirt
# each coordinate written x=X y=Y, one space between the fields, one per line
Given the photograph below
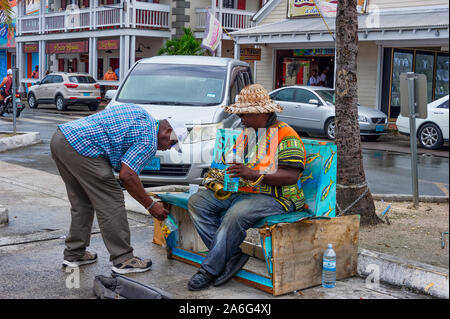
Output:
x=122 y=134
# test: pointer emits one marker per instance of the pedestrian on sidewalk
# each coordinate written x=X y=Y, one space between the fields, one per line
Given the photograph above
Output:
x=124 y=138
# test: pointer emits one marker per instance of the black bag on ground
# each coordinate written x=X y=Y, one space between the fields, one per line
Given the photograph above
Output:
x=121 y=287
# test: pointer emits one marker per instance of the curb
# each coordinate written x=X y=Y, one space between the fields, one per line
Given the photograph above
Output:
x=406 y=198
x=424 y=278
x=3 y=216
x=20 y=140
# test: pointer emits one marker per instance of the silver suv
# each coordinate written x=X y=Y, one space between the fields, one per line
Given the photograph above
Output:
x=65 y=89
x=189 y=89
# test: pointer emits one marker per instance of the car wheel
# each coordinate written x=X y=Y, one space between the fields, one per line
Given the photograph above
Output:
x=371 y=138
x=93 y=107
x=330 y=130
x=60 y=103
x=32 y=103
x=430 y=136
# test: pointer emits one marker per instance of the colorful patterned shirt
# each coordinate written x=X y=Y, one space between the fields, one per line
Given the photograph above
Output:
x=290 y=152
x=122 y=134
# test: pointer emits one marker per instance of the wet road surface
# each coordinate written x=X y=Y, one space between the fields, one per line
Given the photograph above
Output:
x=387 y=172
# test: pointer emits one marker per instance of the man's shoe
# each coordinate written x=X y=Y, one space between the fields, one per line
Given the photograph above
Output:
x=88 y=258
x=134 y=264
x=232 y=267
x=200 y=280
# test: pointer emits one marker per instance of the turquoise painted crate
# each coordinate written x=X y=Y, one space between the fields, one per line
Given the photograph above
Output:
x=319 y=177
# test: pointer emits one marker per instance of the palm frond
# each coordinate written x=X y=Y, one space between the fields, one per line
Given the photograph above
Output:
x=6 y=12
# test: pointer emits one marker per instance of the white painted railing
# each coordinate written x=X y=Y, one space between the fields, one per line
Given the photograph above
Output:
x=108 y=17
x=232 y=19
x=151 y=15
x=29 y=24
x=141 y=15
x=236 y=19
x=200 y=18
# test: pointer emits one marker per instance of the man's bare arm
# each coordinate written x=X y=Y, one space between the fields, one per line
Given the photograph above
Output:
x=133 y=185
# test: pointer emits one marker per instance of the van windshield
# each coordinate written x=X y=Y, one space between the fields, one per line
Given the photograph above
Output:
x=174 y=84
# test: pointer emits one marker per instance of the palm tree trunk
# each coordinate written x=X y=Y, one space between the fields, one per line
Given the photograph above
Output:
x=350 y=175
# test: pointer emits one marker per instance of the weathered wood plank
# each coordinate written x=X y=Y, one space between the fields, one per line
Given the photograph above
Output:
x=298 y=250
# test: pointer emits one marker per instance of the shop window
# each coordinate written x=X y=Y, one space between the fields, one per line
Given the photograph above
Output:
x=303 y=96
x=424 y=64
x=286 y=95
x=402 y=62
x=442 y=76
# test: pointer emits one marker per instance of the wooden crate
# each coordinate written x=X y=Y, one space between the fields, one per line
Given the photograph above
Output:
x=297 y=249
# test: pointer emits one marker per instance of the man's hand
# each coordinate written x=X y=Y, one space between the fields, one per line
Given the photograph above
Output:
x=242 y=171
x=159 y=212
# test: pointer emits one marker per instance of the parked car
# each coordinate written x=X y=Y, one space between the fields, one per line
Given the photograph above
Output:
x=65 y=89
x=431 y=132
x=190 y=89
x=310 y=109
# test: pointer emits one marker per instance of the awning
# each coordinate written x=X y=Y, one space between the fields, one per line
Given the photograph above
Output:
x=432 y=25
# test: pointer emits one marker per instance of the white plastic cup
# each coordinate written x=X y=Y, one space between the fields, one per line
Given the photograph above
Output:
x=193 y=188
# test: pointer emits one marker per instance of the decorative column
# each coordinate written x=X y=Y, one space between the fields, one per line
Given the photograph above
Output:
x=93 y=57
x=132 y=50
x=237 y=50
x=42 y=59
x=126 y=56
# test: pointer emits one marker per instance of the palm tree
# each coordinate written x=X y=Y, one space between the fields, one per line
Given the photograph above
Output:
x=187 y=44
x=353 y=195
x=5 y=12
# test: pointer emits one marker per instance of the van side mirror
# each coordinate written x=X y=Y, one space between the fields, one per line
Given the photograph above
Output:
x=38 y=83
x=314 y=102
x=109 y=95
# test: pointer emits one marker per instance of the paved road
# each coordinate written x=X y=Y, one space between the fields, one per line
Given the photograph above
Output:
x=386 y=162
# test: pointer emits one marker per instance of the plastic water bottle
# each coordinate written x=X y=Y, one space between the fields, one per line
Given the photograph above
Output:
x=329 y=268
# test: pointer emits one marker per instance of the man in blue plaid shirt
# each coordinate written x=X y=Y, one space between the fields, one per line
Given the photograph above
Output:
x=123 y=137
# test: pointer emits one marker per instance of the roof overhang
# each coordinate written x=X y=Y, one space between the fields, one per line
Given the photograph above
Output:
x=430 y=27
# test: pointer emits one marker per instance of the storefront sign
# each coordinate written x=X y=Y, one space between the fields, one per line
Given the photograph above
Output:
x=108 y=44
x=314 y=52
x=301 y=8
x=250 y=54
x=31 y=48
x=67 y=47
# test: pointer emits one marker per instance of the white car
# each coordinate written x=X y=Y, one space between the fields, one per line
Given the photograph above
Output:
x=432 y=132
x=65 y=89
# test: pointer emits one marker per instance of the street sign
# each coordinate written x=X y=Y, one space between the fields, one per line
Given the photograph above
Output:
x=420 y=94
x=413 y=104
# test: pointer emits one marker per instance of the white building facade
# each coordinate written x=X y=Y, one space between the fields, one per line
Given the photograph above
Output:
x=394 y=37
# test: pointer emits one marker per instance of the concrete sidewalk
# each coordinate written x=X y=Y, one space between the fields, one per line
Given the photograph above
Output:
x=31 y=250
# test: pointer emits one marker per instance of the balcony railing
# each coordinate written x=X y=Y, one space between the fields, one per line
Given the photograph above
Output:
x=142 y=15
x=232 y=19
x=151 y=15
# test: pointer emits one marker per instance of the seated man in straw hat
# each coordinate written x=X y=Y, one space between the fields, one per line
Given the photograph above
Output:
x=273 y=190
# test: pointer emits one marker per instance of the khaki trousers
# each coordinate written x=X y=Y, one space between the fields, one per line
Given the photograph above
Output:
x=92 y=187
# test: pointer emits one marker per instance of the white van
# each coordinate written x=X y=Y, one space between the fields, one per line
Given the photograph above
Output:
x=191 y=89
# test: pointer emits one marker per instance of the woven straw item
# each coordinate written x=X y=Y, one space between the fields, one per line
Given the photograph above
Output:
x=253 y=99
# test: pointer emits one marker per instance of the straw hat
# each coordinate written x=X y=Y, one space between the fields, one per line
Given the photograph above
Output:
x=253 y=99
